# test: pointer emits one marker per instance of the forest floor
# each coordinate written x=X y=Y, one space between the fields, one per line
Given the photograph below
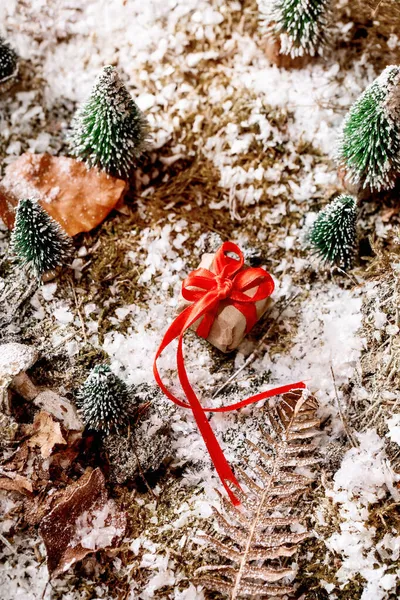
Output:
x=242 y=151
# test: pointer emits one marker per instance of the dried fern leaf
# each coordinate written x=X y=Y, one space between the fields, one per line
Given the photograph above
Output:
x=248 y=589
x=269 y=575
x=257 y=534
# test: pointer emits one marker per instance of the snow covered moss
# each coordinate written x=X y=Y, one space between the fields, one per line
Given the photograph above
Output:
x=364 y=478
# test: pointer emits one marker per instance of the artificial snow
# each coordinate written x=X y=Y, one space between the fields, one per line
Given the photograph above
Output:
x=324 y=328
x=394 y=429
x=364 y=478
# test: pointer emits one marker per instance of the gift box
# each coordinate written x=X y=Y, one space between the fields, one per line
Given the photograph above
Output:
x=230 y=324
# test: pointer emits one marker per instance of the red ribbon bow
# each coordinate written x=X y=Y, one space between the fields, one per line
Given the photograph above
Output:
x=206 y=290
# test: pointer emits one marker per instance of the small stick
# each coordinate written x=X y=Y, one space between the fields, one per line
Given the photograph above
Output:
x=7 y=543
x=342 y=417
x=356 y=283
x=79 y=312
x=45 y=588
x=255 y=352
x=375 y=11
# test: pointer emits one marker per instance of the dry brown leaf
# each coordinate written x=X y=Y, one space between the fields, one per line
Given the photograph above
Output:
x=15 y=483
x=82 y=520
x=77 y=197
x=61 y=408
x=45 y=434
x=17 y=461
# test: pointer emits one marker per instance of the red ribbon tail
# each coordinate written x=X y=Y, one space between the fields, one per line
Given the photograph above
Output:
x=216 y=454
x=284 y=389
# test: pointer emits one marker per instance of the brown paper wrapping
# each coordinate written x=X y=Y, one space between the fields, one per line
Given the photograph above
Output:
x=229 y=326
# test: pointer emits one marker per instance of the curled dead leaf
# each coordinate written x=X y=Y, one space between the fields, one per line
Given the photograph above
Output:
x=61 y=408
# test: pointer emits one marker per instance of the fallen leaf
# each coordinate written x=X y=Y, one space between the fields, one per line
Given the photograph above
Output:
x=17 y=461
x=77 y=197
x=61 y=462
x=45 y=434
x=61 y=408
x=16 y=483
x=82 y=520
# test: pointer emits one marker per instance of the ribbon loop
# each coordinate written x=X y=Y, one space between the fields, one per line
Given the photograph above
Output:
x=206 y=290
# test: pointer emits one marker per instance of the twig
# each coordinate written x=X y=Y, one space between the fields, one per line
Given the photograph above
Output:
x=77 y=306
x=352 y=279
x=7 y=543
x=376 y=9
x=255 y=352
x=342 y=417
x=45 y=588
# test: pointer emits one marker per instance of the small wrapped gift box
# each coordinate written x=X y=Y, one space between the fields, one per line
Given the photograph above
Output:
x=230 y=324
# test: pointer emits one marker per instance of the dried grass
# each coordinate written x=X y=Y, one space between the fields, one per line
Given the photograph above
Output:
x=380 y=362
x=375 y=21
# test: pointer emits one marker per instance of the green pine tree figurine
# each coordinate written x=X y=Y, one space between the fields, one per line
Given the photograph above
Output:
x=37 y=240
x=102 y=400
x=369 y=147
x=109 y=131
x=301 y=26
x=333 y=235
x=8 y=65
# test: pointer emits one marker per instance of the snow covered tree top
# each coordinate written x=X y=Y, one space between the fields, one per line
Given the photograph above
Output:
x=333 y=236
x=102 y=400
x=37 y=240
x=109 y=131
x=369 y=147
x=301 y=26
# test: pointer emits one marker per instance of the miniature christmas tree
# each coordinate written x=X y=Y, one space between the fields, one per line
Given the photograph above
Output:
x=102 y=400
x=301 y=26
x=109 y=131
x=37 y=240
x=369 y=148
x=8 y=65
x=333 y=235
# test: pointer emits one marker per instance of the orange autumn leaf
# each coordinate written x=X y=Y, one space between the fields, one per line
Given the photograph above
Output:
x=76 y=197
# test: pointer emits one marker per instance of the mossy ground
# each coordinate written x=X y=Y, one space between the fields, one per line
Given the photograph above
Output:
x=194 y=180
